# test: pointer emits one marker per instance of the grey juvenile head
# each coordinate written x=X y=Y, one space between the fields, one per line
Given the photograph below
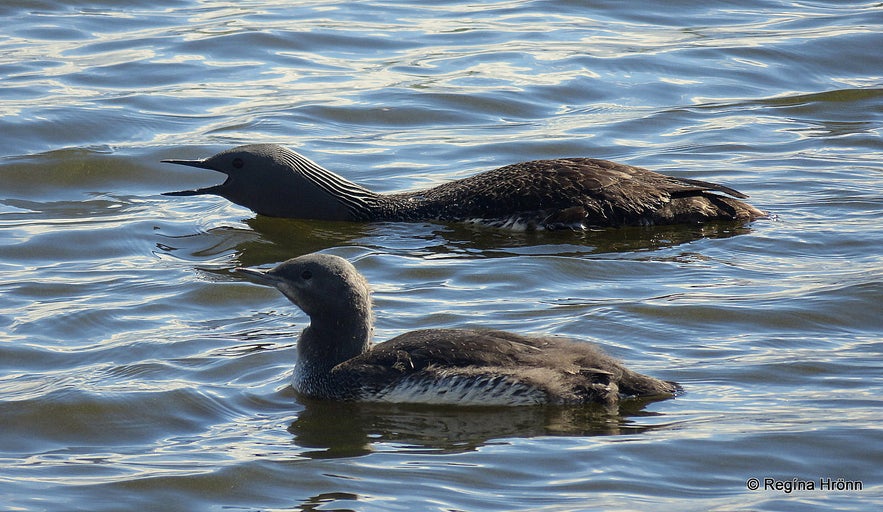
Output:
x=328 y=288
x=273 y=180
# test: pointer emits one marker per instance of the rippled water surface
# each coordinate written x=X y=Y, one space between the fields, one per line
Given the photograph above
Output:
x=138 y=373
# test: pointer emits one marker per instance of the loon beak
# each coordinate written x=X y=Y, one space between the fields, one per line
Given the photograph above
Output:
x=260 y=276
x=200 y=164
x=190 y=163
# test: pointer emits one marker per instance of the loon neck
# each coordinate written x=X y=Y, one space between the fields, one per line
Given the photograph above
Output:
x=325 y=344
x=362 y=204
x=322 y=347
x=358 y=202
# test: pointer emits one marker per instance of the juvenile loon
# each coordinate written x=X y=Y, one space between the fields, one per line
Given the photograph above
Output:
x=575 y=193
x=337 y=361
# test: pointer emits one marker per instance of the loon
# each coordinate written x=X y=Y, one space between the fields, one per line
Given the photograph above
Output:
x=564 y=193
x=337 y=360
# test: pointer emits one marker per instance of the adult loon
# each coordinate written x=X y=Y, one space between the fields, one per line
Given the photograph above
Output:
x=574 y=193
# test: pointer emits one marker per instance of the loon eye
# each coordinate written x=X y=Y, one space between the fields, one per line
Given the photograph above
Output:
x=238 y=163
x=306 y=275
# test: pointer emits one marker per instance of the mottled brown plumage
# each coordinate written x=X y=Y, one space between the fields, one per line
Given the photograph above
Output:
x=574 y=193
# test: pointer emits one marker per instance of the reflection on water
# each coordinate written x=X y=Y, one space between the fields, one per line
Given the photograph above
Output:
x=273 y=240
x=349 y=429
x=313 y=502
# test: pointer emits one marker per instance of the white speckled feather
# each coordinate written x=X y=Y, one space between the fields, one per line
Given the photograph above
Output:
x=459 y=389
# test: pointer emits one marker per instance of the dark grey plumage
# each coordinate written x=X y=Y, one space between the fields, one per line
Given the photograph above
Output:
x=574 y=193
x=336 y=360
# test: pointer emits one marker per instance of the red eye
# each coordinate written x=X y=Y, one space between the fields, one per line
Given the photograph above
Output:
x=238 y=163
x=306 y=275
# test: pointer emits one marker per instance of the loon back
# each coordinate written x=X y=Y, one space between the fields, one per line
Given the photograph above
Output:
x=489 y=367
x=577 y=193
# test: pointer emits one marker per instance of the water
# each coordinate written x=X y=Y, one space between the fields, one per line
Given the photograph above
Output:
x=138 y=373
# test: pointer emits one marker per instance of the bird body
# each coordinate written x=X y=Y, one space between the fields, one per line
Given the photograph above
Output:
x=337 y=361
x=575 y=193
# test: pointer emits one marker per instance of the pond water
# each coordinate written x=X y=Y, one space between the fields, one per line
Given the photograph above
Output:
x=138 y=373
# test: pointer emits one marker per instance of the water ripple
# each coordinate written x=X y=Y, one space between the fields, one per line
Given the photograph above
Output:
x=137 y=371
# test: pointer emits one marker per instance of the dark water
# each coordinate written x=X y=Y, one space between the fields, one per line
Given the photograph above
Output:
x=138 y=373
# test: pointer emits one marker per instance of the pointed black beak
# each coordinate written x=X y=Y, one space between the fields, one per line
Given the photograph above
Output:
x=201 y=164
